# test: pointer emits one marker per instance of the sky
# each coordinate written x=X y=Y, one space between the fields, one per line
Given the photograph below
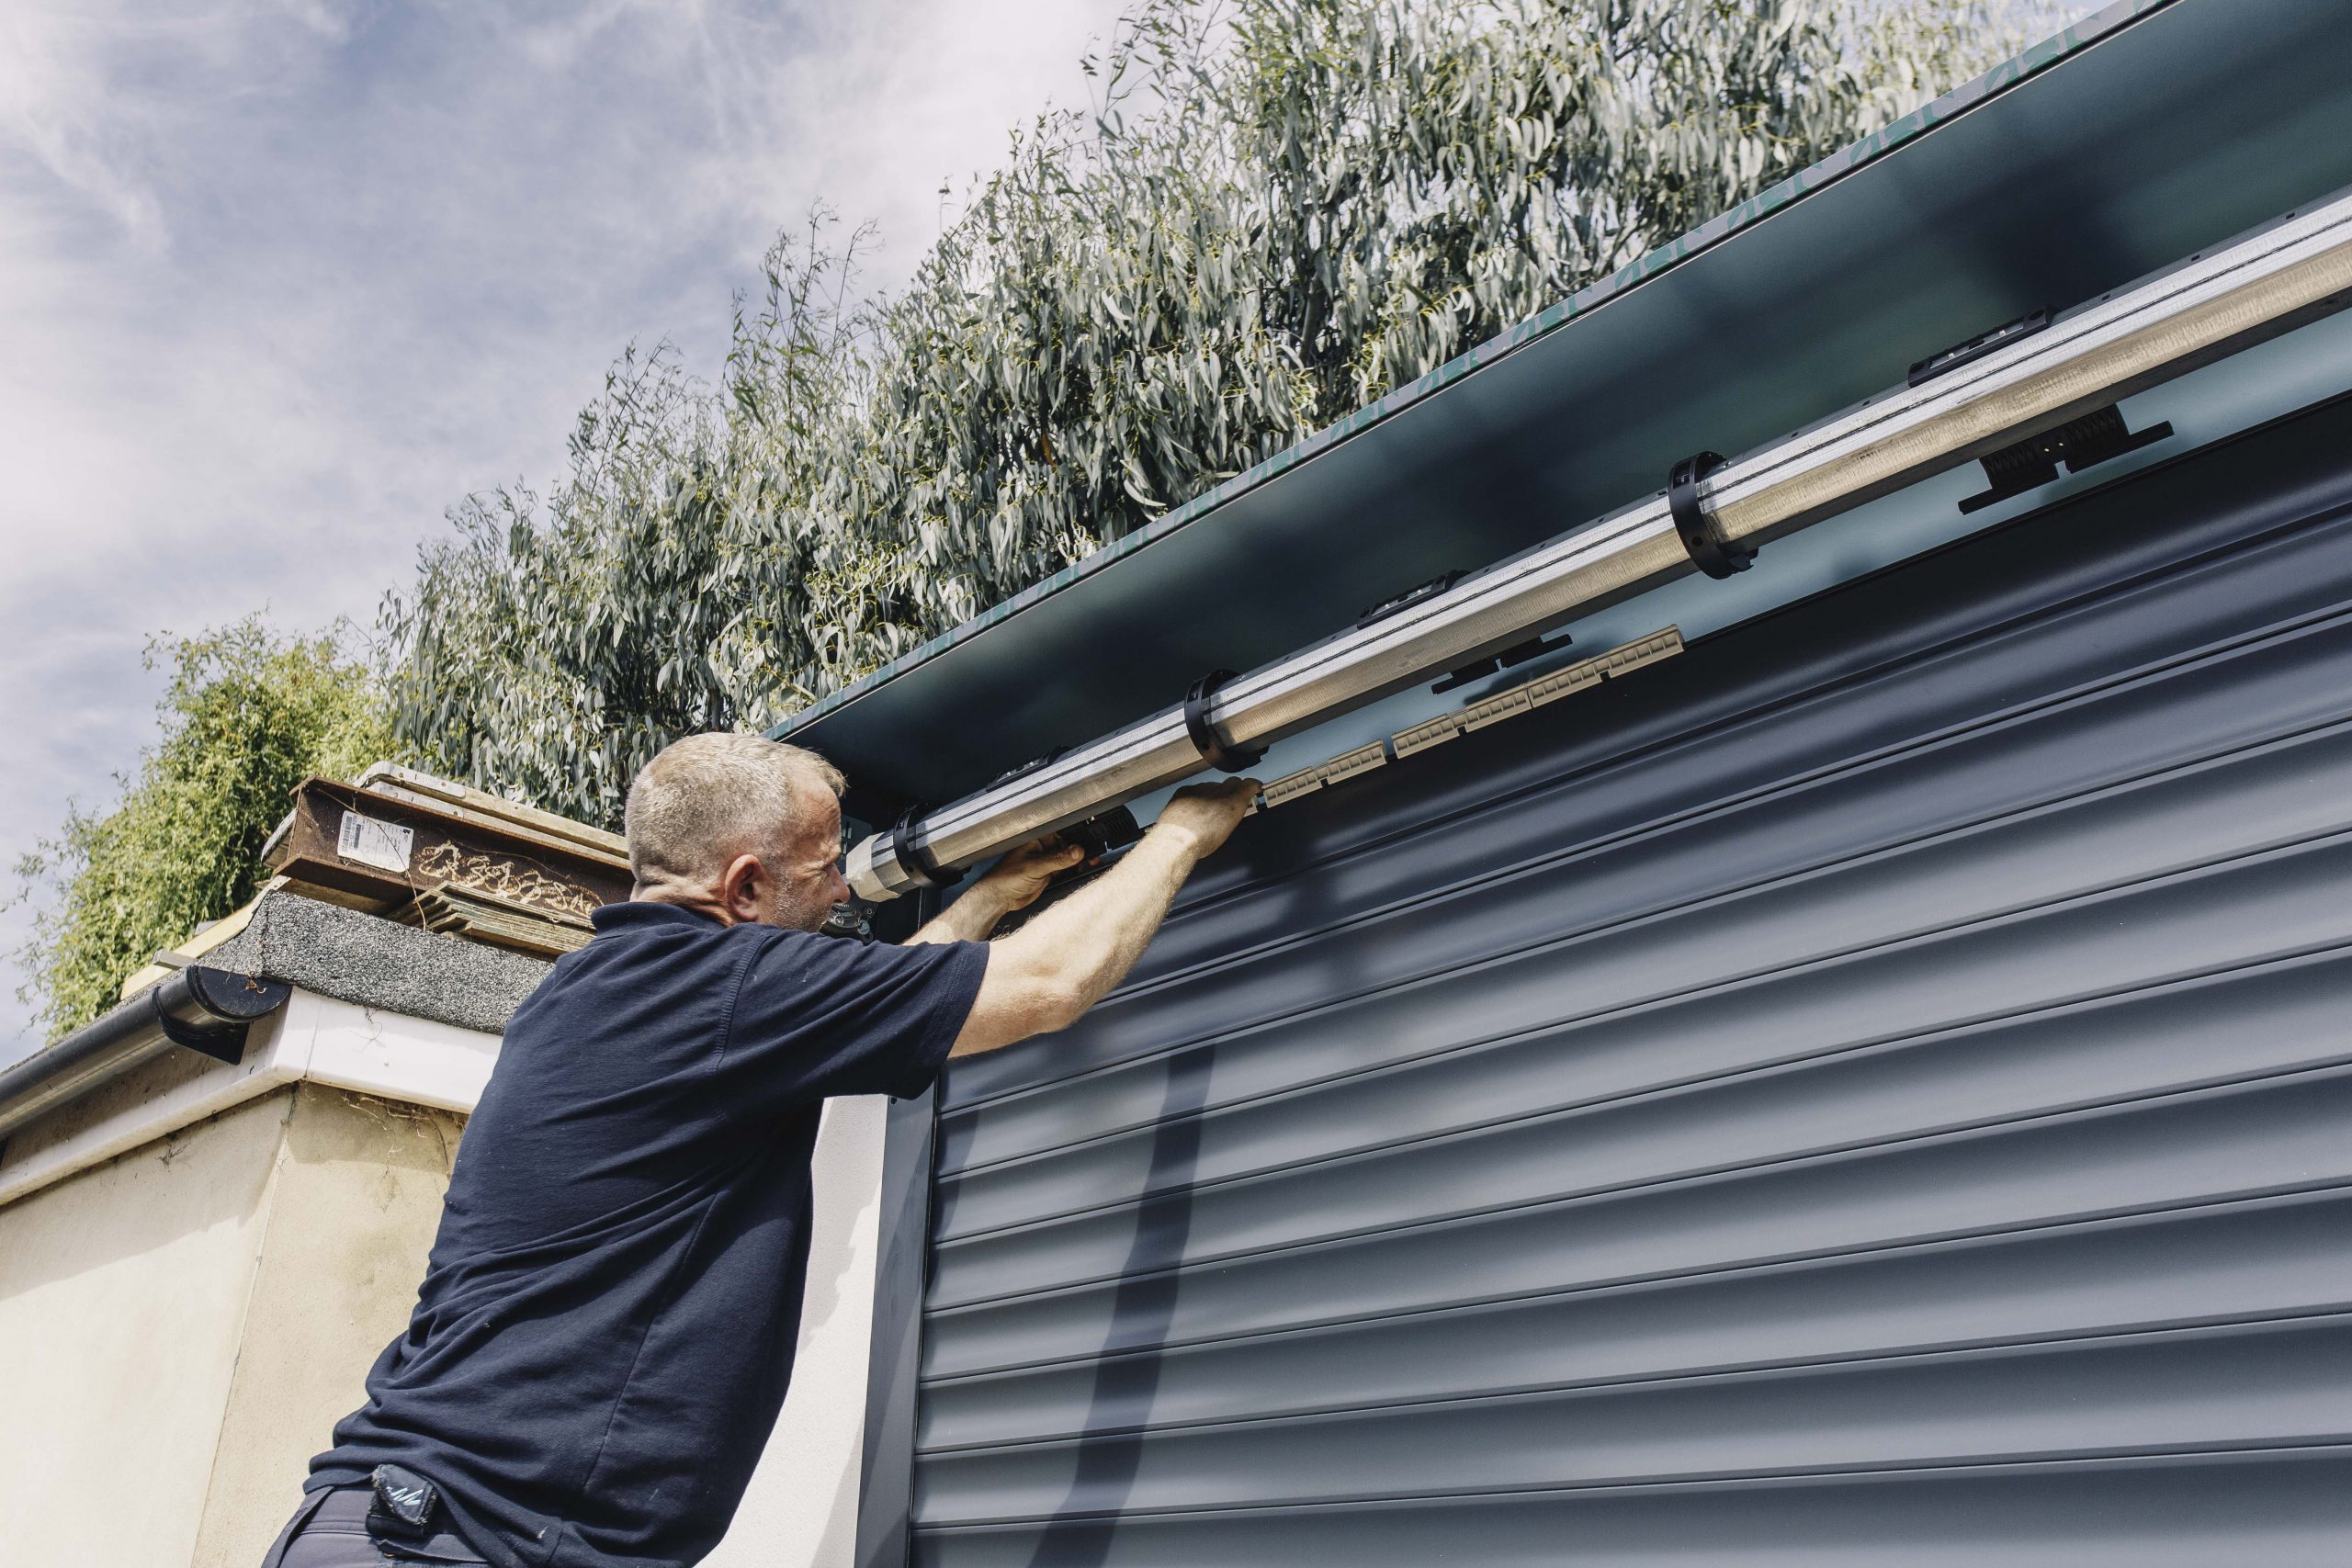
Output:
x=281 y=282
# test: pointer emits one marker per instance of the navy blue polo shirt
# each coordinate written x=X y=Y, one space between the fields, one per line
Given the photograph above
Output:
x=607 y=1322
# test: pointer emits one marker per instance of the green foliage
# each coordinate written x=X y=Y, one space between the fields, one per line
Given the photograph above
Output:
x=1278 y=210
x=247 y=716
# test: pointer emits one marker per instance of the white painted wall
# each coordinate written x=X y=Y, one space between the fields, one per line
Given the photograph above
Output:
x=122 y=1304
x=801 y=1510
x=350 y=1217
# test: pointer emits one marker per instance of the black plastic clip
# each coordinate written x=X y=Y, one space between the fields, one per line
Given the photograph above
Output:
x=1025 y=769
x=1977 y=347
x=1410 y=597
x=1518 y=653
x=1708 y=549
x=2080 y=443
x=1099 y=838
x=1099 y=834
x=913 y=860
x=1214 y=750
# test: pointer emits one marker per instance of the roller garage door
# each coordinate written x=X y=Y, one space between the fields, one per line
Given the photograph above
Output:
x=1874 y=1089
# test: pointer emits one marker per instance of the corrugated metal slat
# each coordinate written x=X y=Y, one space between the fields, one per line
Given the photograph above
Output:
x=1874 y=1089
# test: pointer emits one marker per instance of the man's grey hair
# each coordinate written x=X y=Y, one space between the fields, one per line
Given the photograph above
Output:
x=708 y=798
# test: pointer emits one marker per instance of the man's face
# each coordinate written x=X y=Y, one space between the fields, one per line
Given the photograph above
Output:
x=807 y=880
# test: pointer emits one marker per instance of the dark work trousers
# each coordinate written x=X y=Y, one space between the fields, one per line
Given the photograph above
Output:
x=330 y=1530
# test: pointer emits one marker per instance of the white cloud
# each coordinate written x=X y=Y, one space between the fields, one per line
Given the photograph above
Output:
x=280 y=282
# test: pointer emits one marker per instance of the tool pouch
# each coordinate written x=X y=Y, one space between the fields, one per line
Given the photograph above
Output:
x=404 y=1505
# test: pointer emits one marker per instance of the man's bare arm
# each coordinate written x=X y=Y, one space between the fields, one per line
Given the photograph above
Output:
x=1013 y=882
x=1045 y=976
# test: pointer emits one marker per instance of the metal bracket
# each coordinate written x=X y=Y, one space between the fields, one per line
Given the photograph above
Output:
x=1214 y=750
x=852 y=921
x=1980 y=345
x=1518 y=653
x=2081 y=443
x=1708 y=549
x=913 y=859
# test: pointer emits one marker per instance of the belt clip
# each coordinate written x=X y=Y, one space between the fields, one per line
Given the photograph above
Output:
x=405 y=1502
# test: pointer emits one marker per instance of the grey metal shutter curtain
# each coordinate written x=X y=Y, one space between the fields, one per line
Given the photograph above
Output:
x=1876 y=1088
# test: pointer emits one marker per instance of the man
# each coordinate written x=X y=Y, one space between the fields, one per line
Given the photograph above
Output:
x=607 y=1321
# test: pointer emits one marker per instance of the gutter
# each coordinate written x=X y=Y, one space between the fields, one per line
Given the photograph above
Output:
x=2051 y=379
x=203 y=1009
x=310 y=1039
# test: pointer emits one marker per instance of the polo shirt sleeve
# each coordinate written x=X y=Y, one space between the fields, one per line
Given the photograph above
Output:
x=816 y=1016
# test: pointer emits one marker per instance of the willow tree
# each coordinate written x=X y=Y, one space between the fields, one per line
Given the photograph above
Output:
x=1275 y=211
x=247 y=715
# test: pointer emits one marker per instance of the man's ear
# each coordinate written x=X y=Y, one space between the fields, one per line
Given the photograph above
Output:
x=742 y=888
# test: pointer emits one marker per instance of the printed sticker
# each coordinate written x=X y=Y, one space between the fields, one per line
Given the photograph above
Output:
x=368 y=841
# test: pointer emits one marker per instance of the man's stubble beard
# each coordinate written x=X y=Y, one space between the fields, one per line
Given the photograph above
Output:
x=791 y=918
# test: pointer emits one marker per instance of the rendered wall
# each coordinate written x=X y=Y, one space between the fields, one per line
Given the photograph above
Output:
x=181 y=1326
x=122 y=1295
x=355 y=1201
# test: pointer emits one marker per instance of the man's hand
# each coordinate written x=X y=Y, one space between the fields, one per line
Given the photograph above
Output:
x=1205 y=815
x=1013 y=882
x=1045 y=975
x=1194 y=822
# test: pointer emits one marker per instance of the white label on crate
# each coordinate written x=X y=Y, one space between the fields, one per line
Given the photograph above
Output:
x=367 y=841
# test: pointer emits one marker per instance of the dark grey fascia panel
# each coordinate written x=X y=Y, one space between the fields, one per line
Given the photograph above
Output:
x=2187 y=125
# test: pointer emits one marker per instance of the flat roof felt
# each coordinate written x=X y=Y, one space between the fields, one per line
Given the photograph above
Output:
x=2125 y=145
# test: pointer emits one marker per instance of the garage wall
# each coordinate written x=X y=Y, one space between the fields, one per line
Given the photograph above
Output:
x=356 y=1202
x=122 y=1298
x=181 y=1326
x=800 y=1510
x=1875 y=1087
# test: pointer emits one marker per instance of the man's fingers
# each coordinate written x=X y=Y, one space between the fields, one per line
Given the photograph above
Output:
x=1209 y=812
x=1046 y=855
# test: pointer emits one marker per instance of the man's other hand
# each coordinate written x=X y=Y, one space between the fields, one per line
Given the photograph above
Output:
x=1014 y=882
x=1205 y=815
x=1045 y=976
